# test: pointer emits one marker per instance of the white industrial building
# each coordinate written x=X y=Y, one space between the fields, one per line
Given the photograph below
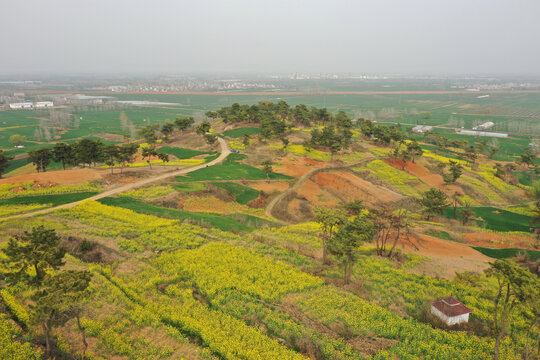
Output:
x=482 y=133
x=450 y=310
x=43 y=104
x=23 y=105
x=421 y=129
x=29 y=105
x=484 y=126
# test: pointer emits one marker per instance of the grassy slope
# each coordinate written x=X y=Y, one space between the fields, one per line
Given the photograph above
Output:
x=57 y=199
x=242 y=194
x=497 y=219
x=181 y=153
x=237 y=133
x=507 y=253
x=230 y=170
x=226 y=223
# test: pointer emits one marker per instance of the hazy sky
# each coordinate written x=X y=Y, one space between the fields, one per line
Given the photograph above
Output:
x=174 y=36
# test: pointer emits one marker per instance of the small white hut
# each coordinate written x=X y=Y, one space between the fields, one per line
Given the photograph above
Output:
x=450 y=310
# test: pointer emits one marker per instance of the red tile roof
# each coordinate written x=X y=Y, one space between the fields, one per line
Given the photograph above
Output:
x=451 y=307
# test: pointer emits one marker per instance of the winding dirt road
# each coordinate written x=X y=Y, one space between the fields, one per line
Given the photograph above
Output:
x=272 y=204
x=225 y=151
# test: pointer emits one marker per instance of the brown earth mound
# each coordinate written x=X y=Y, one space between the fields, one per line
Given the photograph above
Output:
x=448 y=257
x=501 y=240
x=350 y=187
x=270 y=187
x=297 y=166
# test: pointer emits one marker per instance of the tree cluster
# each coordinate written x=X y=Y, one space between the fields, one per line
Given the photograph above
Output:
x=85 y=152
x=275 y=117
x=383 y=134
x=58 y=296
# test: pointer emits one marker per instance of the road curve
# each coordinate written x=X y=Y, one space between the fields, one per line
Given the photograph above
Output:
x=225 y=151
x=272 y=204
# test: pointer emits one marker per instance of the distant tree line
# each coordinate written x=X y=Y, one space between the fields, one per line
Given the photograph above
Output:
x=275 y=118
x=87 y=152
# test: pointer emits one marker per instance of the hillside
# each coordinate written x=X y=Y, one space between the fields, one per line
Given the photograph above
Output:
x=218 y=255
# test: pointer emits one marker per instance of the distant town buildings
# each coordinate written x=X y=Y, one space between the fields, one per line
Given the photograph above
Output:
x=30 y=105
x=23 y=105
x=450 y=310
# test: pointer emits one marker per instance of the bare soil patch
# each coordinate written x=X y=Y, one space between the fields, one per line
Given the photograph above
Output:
x=270 y=187
x=297 y=166
x=350 y=187
x=500 y=240
x=62 y=177
x=316 y=194
x=447 y=257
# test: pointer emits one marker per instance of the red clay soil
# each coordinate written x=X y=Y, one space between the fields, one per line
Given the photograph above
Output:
x=313 y=193
x=63 y=177
x=423 y=173
x=297 y=167
x=270 y=187
x=448 y=257
x=350 y=187
x=500 y=240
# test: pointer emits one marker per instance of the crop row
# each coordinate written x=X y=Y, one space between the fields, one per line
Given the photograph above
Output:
x=17 y=209
x=139 y=232
x=226 y=336
x=415 y=340
x=215 y=267
x=149 y=192
x=31 y=188
x=12 y=349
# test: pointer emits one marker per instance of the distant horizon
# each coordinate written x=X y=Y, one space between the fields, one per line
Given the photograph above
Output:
x=413 y=38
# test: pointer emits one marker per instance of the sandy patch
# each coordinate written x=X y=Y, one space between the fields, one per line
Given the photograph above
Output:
x=313 y=193
x=350 y=187
x=270 y=187
x=297 y=166
x=500 y=240
x=447 y=257
x=63 y=177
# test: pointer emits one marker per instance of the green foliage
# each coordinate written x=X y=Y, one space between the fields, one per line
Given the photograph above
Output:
x=242 y=194
x=52 y=199
x=506 y=253
x=37 y=250
x=348 y=239
x=183 y=123
x=203 y=128
x=496 y=219
x=149 y=133
x=434 y=201
x=4 y=162
x=181 y=153
x=40 y=158
x=230 y=169
x=189 y=187
x=63 y=153
x=240 y=132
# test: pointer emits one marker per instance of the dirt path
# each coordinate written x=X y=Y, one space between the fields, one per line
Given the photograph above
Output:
x=272 y=204
x=225 y=151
